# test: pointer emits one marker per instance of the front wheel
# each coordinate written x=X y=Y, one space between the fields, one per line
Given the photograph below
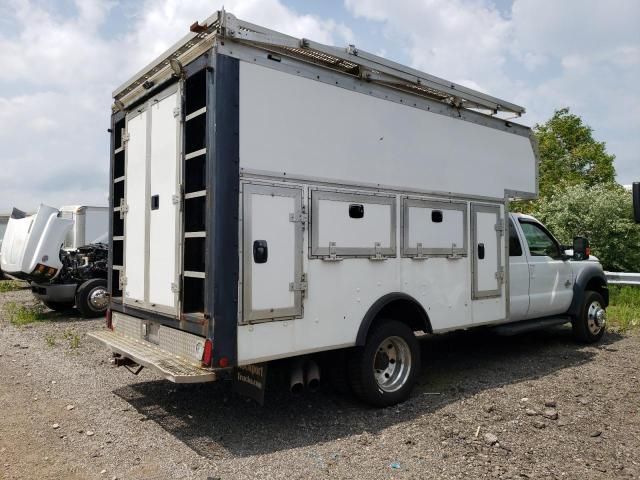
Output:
x=92 y=299
x=384 y=371
x=589 y=324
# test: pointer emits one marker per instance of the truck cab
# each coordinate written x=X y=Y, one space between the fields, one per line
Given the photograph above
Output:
x=547 y=280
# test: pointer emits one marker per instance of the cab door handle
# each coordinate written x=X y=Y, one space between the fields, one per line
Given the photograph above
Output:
x=481 y=251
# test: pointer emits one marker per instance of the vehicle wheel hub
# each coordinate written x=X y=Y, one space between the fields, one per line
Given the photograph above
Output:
x=596 y=317
x=98 y=299
x=392 y=364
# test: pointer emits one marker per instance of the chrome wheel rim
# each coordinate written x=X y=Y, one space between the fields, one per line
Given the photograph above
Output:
x=392 y=364
x=596 y=317
x=98 y=300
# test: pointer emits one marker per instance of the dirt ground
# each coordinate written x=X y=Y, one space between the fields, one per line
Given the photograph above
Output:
x=478 y=412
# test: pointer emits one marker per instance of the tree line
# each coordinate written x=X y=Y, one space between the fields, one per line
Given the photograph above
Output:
x=579 y=194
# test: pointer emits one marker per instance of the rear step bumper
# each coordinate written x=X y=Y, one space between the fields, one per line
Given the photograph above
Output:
x=171 y=367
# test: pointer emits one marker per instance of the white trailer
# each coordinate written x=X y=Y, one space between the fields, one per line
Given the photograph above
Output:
x=274 y=197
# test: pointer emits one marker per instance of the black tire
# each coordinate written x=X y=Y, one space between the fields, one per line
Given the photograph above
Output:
x=586 y=327
x=59 y=306
x=363 y=363
x=85 y=294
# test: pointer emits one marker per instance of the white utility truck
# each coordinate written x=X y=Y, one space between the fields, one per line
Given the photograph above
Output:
x=62 y=253
x=276 y=198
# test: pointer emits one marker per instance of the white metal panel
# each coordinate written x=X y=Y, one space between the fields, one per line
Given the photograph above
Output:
x=488 y=267
x=270 y=281
x=267 y=215
x=96 y=223
x=335 y=225
x=448 y=234
x=489 y=300
x=136 y=200
x=163 y=220
x=348 y=137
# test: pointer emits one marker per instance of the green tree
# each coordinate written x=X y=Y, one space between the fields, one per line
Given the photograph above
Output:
x=569 y=155
x=602 y=213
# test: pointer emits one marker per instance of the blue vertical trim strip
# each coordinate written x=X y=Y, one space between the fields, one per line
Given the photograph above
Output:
x=224 y=200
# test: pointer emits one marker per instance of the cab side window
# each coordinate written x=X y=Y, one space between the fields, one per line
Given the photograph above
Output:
x=515 y=249
x=540 y=243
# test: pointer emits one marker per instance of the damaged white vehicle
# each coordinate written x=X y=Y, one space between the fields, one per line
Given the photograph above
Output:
x=61 y=254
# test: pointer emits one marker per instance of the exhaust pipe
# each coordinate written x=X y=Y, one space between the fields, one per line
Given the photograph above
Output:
x=312 y=376
x=297 y=377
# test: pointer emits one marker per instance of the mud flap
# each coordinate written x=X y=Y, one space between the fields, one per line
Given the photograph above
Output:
x=251 y=381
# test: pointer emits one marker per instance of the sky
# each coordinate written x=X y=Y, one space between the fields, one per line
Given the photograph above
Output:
x=61 y=59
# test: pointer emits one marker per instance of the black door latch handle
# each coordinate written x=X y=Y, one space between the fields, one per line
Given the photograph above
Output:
x=260 y=251
x=481 y=251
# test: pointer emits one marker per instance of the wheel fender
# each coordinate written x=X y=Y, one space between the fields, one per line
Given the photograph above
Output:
x=584 y=276
x=380 y=304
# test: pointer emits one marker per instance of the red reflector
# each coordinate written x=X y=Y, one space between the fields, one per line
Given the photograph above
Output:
x=108 y=319
x=588 y=250
x=223 y=362
x=207 y=355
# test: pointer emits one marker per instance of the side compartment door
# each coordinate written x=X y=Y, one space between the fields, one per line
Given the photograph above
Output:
x=272 y=252
x=489 y=303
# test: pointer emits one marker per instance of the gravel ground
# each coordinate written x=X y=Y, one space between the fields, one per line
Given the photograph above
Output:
x=479 y=412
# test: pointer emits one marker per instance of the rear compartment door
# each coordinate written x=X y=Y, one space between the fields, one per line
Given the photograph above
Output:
x=272 y=252
x=152 y=197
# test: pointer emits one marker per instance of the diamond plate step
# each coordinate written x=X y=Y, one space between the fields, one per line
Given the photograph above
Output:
x=172 y=367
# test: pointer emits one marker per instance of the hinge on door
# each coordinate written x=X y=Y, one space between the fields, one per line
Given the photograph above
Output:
x=125 y=137
x=177 y=112
x=122 y=281
x=301 y=217
x=332 y=254
x=454 y=255
x=377 y=255
x=500 y=275
x=175 y=288
x=419 y=253
x=500 y=227
x=124 y=208
x=300 y=286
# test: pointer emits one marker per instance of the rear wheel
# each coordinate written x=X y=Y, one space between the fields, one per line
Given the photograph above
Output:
x=92 y=299
x=589 y=324
x=384 y=371
x=59 y=306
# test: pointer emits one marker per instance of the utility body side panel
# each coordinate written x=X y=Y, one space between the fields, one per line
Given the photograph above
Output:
x=350 y=137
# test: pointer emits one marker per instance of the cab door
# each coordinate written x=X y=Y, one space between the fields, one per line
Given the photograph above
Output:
x=550 y=277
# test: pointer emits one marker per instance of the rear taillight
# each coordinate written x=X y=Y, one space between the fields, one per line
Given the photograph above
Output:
x=588 y=251
x=207 y=355
x=107 y=319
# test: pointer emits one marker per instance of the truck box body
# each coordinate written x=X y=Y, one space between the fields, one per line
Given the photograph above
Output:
x=268 y=192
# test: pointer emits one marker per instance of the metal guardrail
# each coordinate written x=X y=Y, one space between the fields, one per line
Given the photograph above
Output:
x=623 y=278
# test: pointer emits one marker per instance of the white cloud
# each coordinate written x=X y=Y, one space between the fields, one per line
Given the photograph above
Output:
x=541 y=54
x=58 y=72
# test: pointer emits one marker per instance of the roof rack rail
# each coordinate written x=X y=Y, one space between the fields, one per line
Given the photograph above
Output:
x=349 y=60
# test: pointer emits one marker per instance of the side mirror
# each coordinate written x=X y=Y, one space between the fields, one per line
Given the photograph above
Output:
x=581 y=249
x=636 y=201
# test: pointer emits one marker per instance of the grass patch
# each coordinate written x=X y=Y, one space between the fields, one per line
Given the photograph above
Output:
x=10 y=285
x=72 y=337
x=24 y=314
x=623 y=312
x=50 y=339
